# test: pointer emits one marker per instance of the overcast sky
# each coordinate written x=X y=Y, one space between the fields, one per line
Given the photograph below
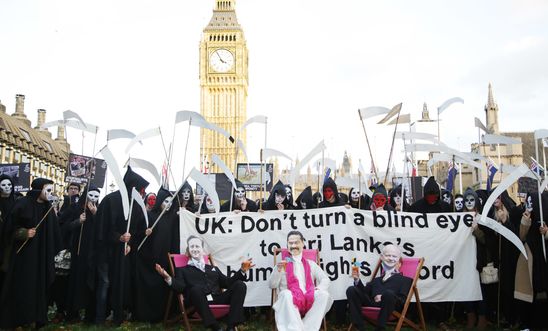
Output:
x=133 y=63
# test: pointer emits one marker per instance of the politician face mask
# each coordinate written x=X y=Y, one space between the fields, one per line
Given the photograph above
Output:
x=195 y=248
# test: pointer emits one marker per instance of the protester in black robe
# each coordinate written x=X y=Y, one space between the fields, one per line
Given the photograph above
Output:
x=239 y=200
x=396 y=199
x=151 y=293
x=356 y=199
x=81 y=279
x=31 y=271
x=7 y=201
x=185 y=198
x=305 y=200
x=112 y=265
x=122 y=256
x=317 y=197
x=379 y=201
x=330 y=194
x=207 y=206
x=431 y=202
x=289 y=196
x=343 y=198
x=482 y=196
x=277 y=199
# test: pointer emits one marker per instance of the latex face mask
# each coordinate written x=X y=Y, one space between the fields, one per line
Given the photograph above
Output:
x=151 y=200
x=295 y=244
x=431 y=198
x=195 y=249
x=459 y=204
x=288 y=193
x=355 y=195
x=93 y=196
x=5 y=187
x=469 y=202
x=447 y=198
x=166 y=203
x=279 y=198
x=47 y=192
x=390 y=257
x=529 y=204
x=239 y=193
x=379 y=200
x=186 y=194
x=328 y=194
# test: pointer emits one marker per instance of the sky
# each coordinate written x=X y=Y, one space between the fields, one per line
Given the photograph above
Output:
x=133 y=64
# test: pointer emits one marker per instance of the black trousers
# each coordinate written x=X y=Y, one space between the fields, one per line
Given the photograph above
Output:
x=358 y=298
x=234 y=296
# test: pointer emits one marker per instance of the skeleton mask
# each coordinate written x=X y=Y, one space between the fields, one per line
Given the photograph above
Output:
x=54 y=200
x=47 y=193
x=288 y=193
x=186 y=194
x=166 y=203
x=469 y=202
x=397 y=200
x=239 y=193
x=355 y=195
x=459 y=204
x=303 y=205
x=529 y=204
x=447 y=198
x=93 y=196
x=279 y=198
x=5 y=187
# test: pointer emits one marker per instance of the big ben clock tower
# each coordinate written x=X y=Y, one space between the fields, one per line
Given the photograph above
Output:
x=223 y=82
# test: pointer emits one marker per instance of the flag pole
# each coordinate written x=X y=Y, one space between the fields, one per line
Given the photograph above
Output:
x=391 y=149
x=540 y=199
x=368 y=145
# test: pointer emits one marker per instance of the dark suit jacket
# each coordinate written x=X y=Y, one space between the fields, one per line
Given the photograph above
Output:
x=397 y=283
x=211 y=281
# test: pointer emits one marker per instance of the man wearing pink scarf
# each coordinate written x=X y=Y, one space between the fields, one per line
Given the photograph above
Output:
x=303 y=299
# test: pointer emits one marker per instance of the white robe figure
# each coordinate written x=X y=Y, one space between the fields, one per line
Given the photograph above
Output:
x=287 y=315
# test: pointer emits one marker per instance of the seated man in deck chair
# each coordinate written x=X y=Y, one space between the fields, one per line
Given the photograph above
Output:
x=303 y=299
x=201 y=284
x=388 y=291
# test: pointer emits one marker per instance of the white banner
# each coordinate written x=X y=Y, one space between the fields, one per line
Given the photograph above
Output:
x=341 y=234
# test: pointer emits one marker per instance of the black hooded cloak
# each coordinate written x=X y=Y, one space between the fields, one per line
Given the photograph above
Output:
x=329 y=182
x=305 y=200
x=439 y=206
x=31 y=271
x=271 y=202
x=251 y=205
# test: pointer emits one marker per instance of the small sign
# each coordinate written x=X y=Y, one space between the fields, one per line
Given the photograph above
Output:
x=250 y=175
x=20 y=175
x=81 y=168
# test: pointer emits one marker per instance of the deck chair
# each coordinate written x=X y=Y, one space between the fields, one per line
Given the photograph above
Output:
x=411 y=268
x=310 y=254
x=188 y=313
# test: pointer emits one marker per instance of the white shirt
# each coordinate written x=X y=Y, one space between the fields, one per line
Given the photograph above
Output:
x=278 y=279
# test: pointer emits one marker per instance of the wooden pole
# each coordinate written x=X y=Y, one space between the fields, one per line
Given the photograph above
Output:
x=35 y=228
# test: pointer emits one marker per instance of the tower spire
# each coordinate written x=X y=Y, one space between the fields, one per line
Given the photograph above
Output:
x=491 y=112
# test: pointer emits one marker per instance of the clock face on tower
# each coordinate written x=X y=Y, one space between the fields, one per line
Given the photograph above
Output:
x=221 y=60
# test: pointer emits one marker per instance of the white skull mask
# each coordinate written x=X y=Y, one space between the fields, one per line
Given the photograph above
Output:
x=186 y=194
x=529 y=204
x=54 y=200
x=470 y=202
x=459 y=203
x=397 y=200
x=447 y=198
x=288 y=193
x=47 y=193
x=93 y=196
x=303 y=205
x=239 y=193
x=355 y=195
x=279 y=198
x=5 y=187
x=166 y=203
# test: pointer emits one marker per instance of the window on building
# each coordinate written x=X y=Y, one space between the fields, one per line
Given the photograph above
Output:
x=25 y=134
x=48 y=146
